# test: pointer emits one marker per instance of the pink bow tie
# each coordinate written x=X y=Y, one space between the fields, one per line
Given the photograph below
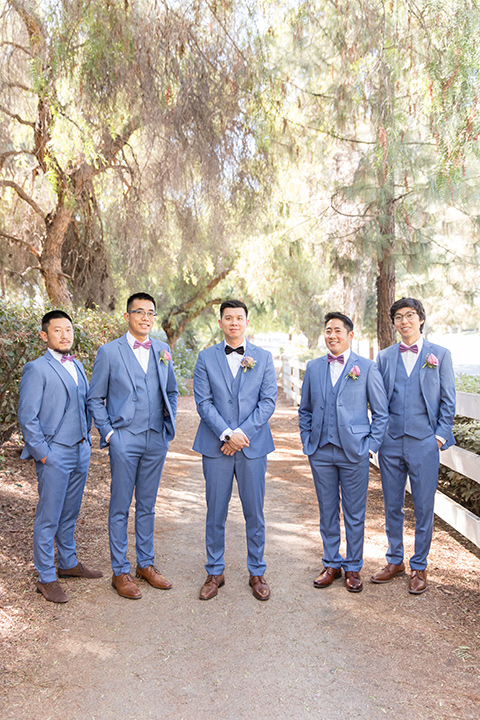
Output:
x=66 y=358
x=147 y=344
x=339 y=358
x=406 y=348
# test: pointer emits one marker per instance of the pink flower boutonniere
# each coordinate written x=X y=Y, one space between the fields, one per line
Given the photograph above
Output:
x=248 y=363
x=354 y=372
x=164 y=357
x=430 y=361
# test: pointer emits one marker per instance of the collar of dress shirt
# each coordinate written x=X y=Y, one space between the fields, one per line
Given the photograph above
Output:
x=418 y=343
x=131 y=340
x=58 y=355
x=346 y=355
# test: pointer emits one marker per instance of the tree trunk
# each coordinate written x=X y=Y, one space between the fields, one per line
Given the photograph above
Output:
x=51 y=257
x=385 y=299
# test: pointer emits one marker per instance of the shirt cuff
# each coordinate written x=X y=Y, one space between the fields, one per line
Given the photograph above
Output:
x=107 y=437
x=228 y=431
x=442 y=440
x=239 y=430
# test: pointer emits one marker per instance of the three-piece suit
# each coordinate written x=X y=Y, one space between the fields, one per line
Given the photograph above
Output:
x=245 y=401
x=55 y=424
x=140 y=408
x=337 y=435
x=421 y=406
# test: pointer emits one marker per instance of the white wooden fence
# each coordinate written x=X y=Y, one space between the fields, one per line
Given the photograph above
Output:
x=462 y=461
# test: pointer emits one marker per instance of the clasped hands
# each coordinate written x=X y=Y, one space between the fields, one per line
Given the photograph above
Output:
x=236 y=442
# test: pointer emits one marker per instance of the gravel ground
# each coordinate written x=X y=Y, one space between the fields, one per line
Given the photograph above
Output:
x=305 y=653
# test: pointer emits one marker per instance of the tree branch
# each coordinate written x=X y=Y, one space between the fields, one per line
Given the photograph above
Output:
x=28 y=245
x=16 y=117
x=21 y=192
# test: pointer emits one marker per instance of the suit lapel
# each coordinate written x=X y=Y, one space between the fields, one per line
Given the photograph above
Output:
x=62 y=373
x=249 y=352
x=426 y=350
x=224 y=366
x=155 y=351
x=352 y=359
x=324 y=371
x=392 y=364
x=128 y=358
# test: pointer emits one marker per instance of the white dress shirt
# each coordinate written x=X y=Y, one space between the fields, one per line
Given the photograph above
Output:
x=69 y=365
x=336 y=368
x=141 y=353
x=410 y=358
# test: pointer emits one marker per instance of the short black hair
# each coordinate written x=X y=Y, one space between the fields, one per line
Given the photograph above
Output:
x=233 y=304
x=140 y=296
x=52 y=315
x=339 y=316
x=410 y=303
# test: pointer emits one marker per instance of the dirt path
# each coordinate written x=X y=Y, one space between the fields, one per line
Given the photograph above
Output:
x=305 y=653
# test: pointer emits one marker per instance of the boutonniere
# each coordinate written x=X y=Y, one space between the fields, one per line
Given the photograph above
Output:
x=164 y=357
x=430 y=361
x=248 y=363
x=354 y=372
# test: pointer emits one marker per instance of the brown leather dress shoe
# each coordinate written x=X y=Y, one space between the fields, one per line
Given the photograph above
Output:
x=353 y=581
x=327 y=577
x=418 y=582
x=259 y=587
x=210 y=586
x=388 y=573
x=125 y=586
x=79 y=571
x=52 y=591
x=151 y=575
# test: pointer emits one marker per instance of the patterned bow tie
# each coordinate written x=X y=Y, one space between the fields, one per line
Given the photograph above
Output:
x=147 y=344
x=240 y=350
x=406 y=348
x=339 y=358
x=66 y=358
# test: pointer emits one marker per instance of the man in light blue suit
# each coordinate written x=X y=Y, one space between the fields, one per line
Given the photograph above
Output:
x=133 y=400
x=337 y=436
x=235 y=390
x=420 y=385
x=56 y=428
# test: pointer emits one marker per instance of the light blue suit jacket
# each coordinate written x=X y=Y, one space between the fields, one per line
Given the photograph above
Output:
x=357 y=434
x=437 y=386
x=44 y=399
x=113 y=392
x=212 y=387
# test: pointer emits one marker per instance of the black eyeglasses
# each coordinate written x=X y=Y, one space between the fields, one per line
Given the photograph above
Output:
x=143 y=313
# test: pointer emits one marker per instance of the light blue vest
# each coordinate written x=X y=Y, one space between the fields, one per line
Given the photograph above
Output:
x=149 y=400
x=407 y=410
x=330 y=424
x=74 y=424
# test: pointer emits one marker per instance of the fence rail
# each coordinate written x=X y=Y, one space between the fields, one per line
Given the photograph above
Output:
x=462 y=461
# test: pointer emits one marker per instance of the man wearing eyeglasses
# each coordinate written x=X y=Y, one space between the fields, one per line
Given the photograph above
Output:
x=420 y=385
x=133 y=400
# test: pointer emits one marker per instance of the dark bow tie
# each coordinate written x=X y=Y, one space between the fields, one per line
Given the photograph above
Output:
x=66 y=358
x=147 y=344
x=339 y=358
x=406 y=348
x=240 y=350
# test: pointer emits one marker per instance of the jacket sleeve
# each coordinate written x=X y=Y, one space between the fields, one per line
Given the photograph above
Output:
x=31 y=393
x=98 y=392
x=377 y=399
x=446 y=411
x=305 y=410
